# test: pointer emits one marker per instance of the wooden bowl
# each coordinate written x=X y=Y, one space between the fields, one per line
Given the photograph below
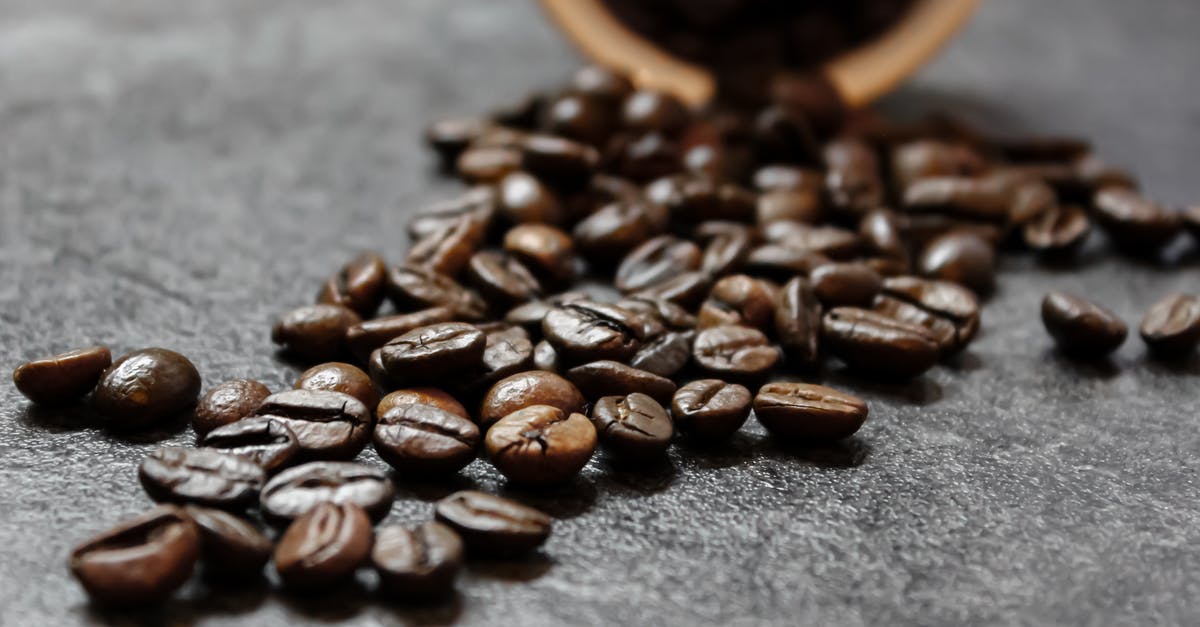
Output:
x=860 y=75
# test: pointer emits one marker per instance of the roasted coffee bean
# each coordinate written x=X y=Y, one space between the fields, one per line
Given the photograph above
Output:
x=798 y=322
x=295 y=491
x=369 y=335
x=948 y=311
x=831 y=241
x=545 y=357
x=734 y=351
x=878 y=345
x=339 y=377
x=140 y=561
x=669 y=314
x=710 y=409
x=487 y=164
x=1092 y=174
x=64 y=378
x=657 y=260
x=1059 y=229
x=424 y=439
x=540 y=445
x=502 y=280
x=601 y=84
x=229 y=546
x=509 y=350
x=611 y=378
x=1030 y=199
x=327 y=425
x=987 y=199
x=845 y=284
x=726 y=253
x=882 y=233
x=798 y=205
x=782 y=135
x=412 y=287
x=144 y=387
x=647 y=157
x=199 y=475
x=738 y=300
x=324 y=546
x=417 y=563
x=491 y=525
x=1133 y=221
x=1171 y=326
x=479 y=203
x=314 y=333
x=686 y=289
x=358 y=286
x=775 y=177
x=451 y=136
x=802 y=411
x=633 y=427
x=529 y=316
x=586 y=331
x=666 y=354
x=647 y=111
x=928 y=158
x=379 y=374
x=560 y=162
x=522 y=113
x=525 y=389
x=963 y=258
x=619 y=227
x=580 y=118
x=228 y=402
x=422 y=396
x=525 y=200
x=1080 y=327
x=853 y=180
x=447 y=250
x=546 y=251
x=428 y=353
x=782 y=262
x=267 y=442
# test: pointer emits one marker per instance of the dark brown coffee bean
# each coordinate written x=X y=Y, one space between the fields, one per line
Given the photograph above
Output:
x=525 y=200
x=228 y=402
x=327 y=425
x=422 y=396
x=686 y=289
x=1133 y=221
x=882 y=233
x=428 y=353
x=63 y=378
x=941 y=299
x=931 y=158
x=853 y=180
x=140 y=561
x=324 y=546
x=657 y=260
x=529 y=316
x=988 y=199
x=229 y=546
x=775 y=177
x=198 y=475
x=424 y=439
x=647 y=111
x=738 y=300
x=798 y=205
x=803 y=411
x=670 y=315
x=782 y=262
x=545 y=357
x=540 y=445
x=616 y=228
x=726 y=253
x=509 y=350
x=447 y=251
x=451 y=136
x=411 y=287
x=339 y=377
x=314 y=333
x=546 y=251
x=601 y=84
x=962 y=258
x=666 y=354
x=145 y=387
x=581 y=118
x=878 y=345
x=633 y=427
x=526 y=389
x=491 y=525
x=295 y=491
x=560 y=162
x=368 y=335
x=845 y=284
x=379 y=374
x=831 y=241
x=734 y=351
x=710 y=409
x=1171 y=326
x=587 y=331
x=487 y=164
x=523 y=113
x=643 y=158
x=267 y=442
x=782 y=135
x=502 y=280
x=611 y=378
x=358 y=286
x=798 y=322
x=417 y=563
x=1060 y=229
x=478 y=202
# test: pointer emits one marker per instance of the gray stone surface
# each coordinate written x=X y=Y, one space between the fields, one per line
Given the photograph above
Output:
x=175 y=173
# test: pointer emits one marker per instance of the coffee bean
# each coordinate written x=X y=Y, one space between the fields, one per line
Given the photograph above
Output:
x=447 y=250
x=525 y=200
x=227 y=403
x=368 y=335
x=296 y=491
x=882 y=233
x=379 y=374
x=666 y=354
x=526 y=389
x=734 y=351
x=670 y=315
x=479 y=203
x=509 y=350
x=646 y=111
x=782 y=135
x=417 y=563
x=1171 y=326
x=491 y=525
x=140 y=561
x=798 y=322
x=710 y=409
x=845 y=284
x=425 y=440
x=428 y=353
x=601 y=84
x=358 y=286
x=585 y=331
x=633 y=427
x=645 y=157
x=782 y=262
x=529 y=315
x=611 y=378
x=580 y=118
x=853 y=181
x=523 y=113
x=775 y=177
x=657 y=260
x=487 y=164
x=63 y=378
x=230 y=547
x=831 y=241
x=339 y=377
x=324 y=546
x=949 y=311
x=546 y=251
x=327 y=425
x=878 y=345
x=412 y=287
x=616 y=228
x=561 y=162
x=144 y=387
x=726 y=253
x=198 y=475
x=314 y=333
x=799 y=205
x=963 y=258
x=540 y=445
x=451 y=136
x=802 y=411
x=1133 y=221
x=987 y=199
x=267 y=442
x=1060 y=229
x=1080 y=327
x=502 y=280
x=738 y=300
x=422 y=396
x=686 y=289
x=928 y=158
x=545 y=357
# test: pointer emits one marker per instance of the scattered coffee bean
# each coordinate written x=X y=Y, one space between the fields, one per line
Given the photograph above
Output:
x=200 y=475
x=584 y=331
x=526 y=389
x=491 y=525
x=447 y=250
x=803 y=411
x=738 y=300
x=948 y=310
x=798 y=322
x=878 y=345
x=140 y=561
x=666 y=354
x=265 y=441
x=295 y=491
x=369 y=335
x=611 y=378
x=845 y=284
x=451 y=136
x=358 y=286
x=1133 y=221
x=488 y=164
x=417 y=563
x=633 y=427
x=508 y=350
x=422 y=396
x=657 y=260
x=710 y=409
x=324 y=546
x=963 y=258
x=145 y=387
x=1171 y=326
x=564 y=163
x=425 y=440
x=314 y=333
x=545 y=357
x=686 y=289
x=734 y=351
x=1059 y=229
x=229 y=546
x=501 y=279
x=413 y=287
x=540 y=445
x=545 y=250
x=227 y=403
x=327 y=425
x=64 y=378
x=339 y=377
x=1080 y=327
x=617 y=228
x=429 y=353
x=525 y=200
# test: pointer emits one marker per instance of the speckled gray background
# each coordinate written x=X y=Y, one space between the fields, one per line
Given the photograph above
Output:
x=175 y=173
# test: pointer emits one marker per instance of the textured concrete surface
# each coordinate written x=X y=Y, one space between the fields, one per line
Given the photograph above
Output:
x=175 y=173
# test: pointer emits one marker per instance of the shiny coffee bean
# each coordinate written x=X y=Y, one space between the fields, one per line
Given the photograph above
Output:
x=647 y=111
x=501 y=279
x=601 y=84
x=833 y=242
x=339 y=377
x=798 y=205
x=268 y=442
x=487 y=164
x=928 y=158
x=560 y=162
x=580 y=118
x=670 y=315
x=619 y=227
x=725 y=253
x=425 y=440
x=987 y=199
x=446 y=251
x=413 y=287
x=327 y=425
x=451 y=136
x=230 y=547
x=358 y=286
x=802 y=411
x=227 y=403
x=710 y=410
x=324 y=546
x=491 y=525
x=1133 y=221
x=1171 y=326
x=845 y=284
x=1080 y=327
x=540 y=445
x=144 y=387
x=646 y=157
x=1059 y=229
x=547 y=251
x=379 y=374
x=199 y=475
x=586 y=331
x=948 y=310
x=529 y=316
x=738 y=300
x=429 y=353
x=545 y=357
x=508 y=351
x=787 y=177
x=140 y=561
x=798 y=322
x=633 y=427
x=63 y=378
x=666 y=354
x=882 y=233
x=782 y=135
x=734 y=351
x=777 y=261
x=658 y=259
x=296 y=491
x=685 y=290
x=962 y=258
x=611 y=378
x=417 y=563
x=314 y=333
x=878 y=345
x=525 y=389
x=422 y=396
x=478 y=202
x=525 y=200
x=853 y=181
x=368 y=335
